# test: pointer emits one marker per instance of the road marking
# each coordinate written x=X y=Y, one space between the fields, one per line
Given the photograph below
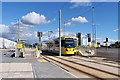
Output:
x=41 y=60
x=99 y=58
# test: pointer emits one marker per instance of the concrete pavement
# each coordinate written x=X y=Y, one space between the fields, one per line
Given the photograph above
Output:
x=17 y=70
x=30 y=68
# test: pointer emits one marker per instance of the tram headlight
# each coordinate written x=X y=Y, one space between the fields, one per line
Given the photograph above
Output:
x=66 y=50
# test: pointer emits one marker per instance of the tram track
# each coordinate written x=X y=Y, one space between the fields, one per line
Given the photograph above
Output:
x=78 y=70
x=95 y=62
x=107 y=72
x=52 y=58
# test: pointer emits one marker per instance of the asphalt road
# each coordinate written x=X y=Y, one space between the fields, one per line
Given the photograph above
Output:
x=111 y=54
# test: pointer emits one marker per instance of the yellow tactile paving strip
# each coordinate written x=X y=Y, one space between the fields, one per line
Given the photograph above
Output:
x=41 y=60
x=99 y=58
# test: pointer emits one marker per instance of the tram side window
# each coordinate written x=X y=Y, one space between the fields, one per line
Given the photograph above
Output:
x=56 y=43
x=62 y=43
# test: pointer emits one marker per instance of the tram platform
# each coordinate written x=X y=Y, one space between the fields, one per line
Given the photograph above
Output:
x=30 y=68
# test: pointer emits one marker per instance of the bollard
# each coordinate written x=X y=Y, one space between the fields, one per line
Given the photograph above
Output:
x=24 y=51
x=38 y=55
x=37 y=52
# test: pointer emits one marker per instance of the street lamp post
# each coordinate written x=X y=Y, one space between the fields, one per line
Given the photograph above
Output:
x=18 y=54
x=18 y=29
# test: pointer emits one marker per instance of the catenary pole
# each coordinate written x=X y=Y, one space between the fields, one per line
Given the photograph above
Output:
x=60 y=33
x=92 y=24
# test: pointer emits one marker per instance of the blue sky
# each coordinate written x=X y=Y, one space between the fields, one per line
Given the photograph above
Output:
x=106 y=14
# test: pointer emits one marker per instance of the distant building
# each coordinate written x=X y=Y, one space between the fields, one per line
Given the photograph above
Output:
x=104 y=44
x=5 y=43
x=85 y=42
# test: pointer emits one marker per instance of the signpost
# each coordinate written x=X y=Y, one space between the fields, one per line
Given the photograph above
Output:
x=95 y=45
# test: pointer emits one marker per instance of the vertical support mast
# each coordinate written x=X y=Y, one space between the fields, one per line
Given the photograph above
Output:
x=64 y=27
x=92 y=23
x=60 y=33
x=18 y=29
x=95 y=33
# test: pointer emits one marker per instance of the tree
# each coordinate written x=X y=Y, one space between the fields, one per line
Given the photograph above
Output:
x=117 y=44
x=35 y=44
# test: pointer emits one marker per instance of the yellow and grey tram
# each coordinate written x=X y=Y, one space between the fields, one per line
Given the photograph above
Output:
x=67 y=45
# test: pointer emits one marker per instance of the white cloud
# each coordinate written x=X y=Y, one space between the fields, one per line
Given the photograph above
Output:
x=67 y=24
x=77 y=3
x=105 y=0
x=94 y=0
x=55 y=34
x=34 y=18
x=11 y=31
x=115 y=30
x=80 y=0
x=4 y=28
x=54 y=19
x=79 y=19
x=31 y=36
x=30 y=20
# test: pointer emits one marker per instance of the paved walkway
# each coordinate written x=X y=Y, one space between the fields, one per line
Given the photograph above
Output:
x=17 y=70
x=30 y=68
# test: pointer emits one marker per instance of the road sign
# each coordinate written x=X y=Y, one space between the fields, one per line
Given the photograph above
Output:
x=95 y=45
x=19 y=45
